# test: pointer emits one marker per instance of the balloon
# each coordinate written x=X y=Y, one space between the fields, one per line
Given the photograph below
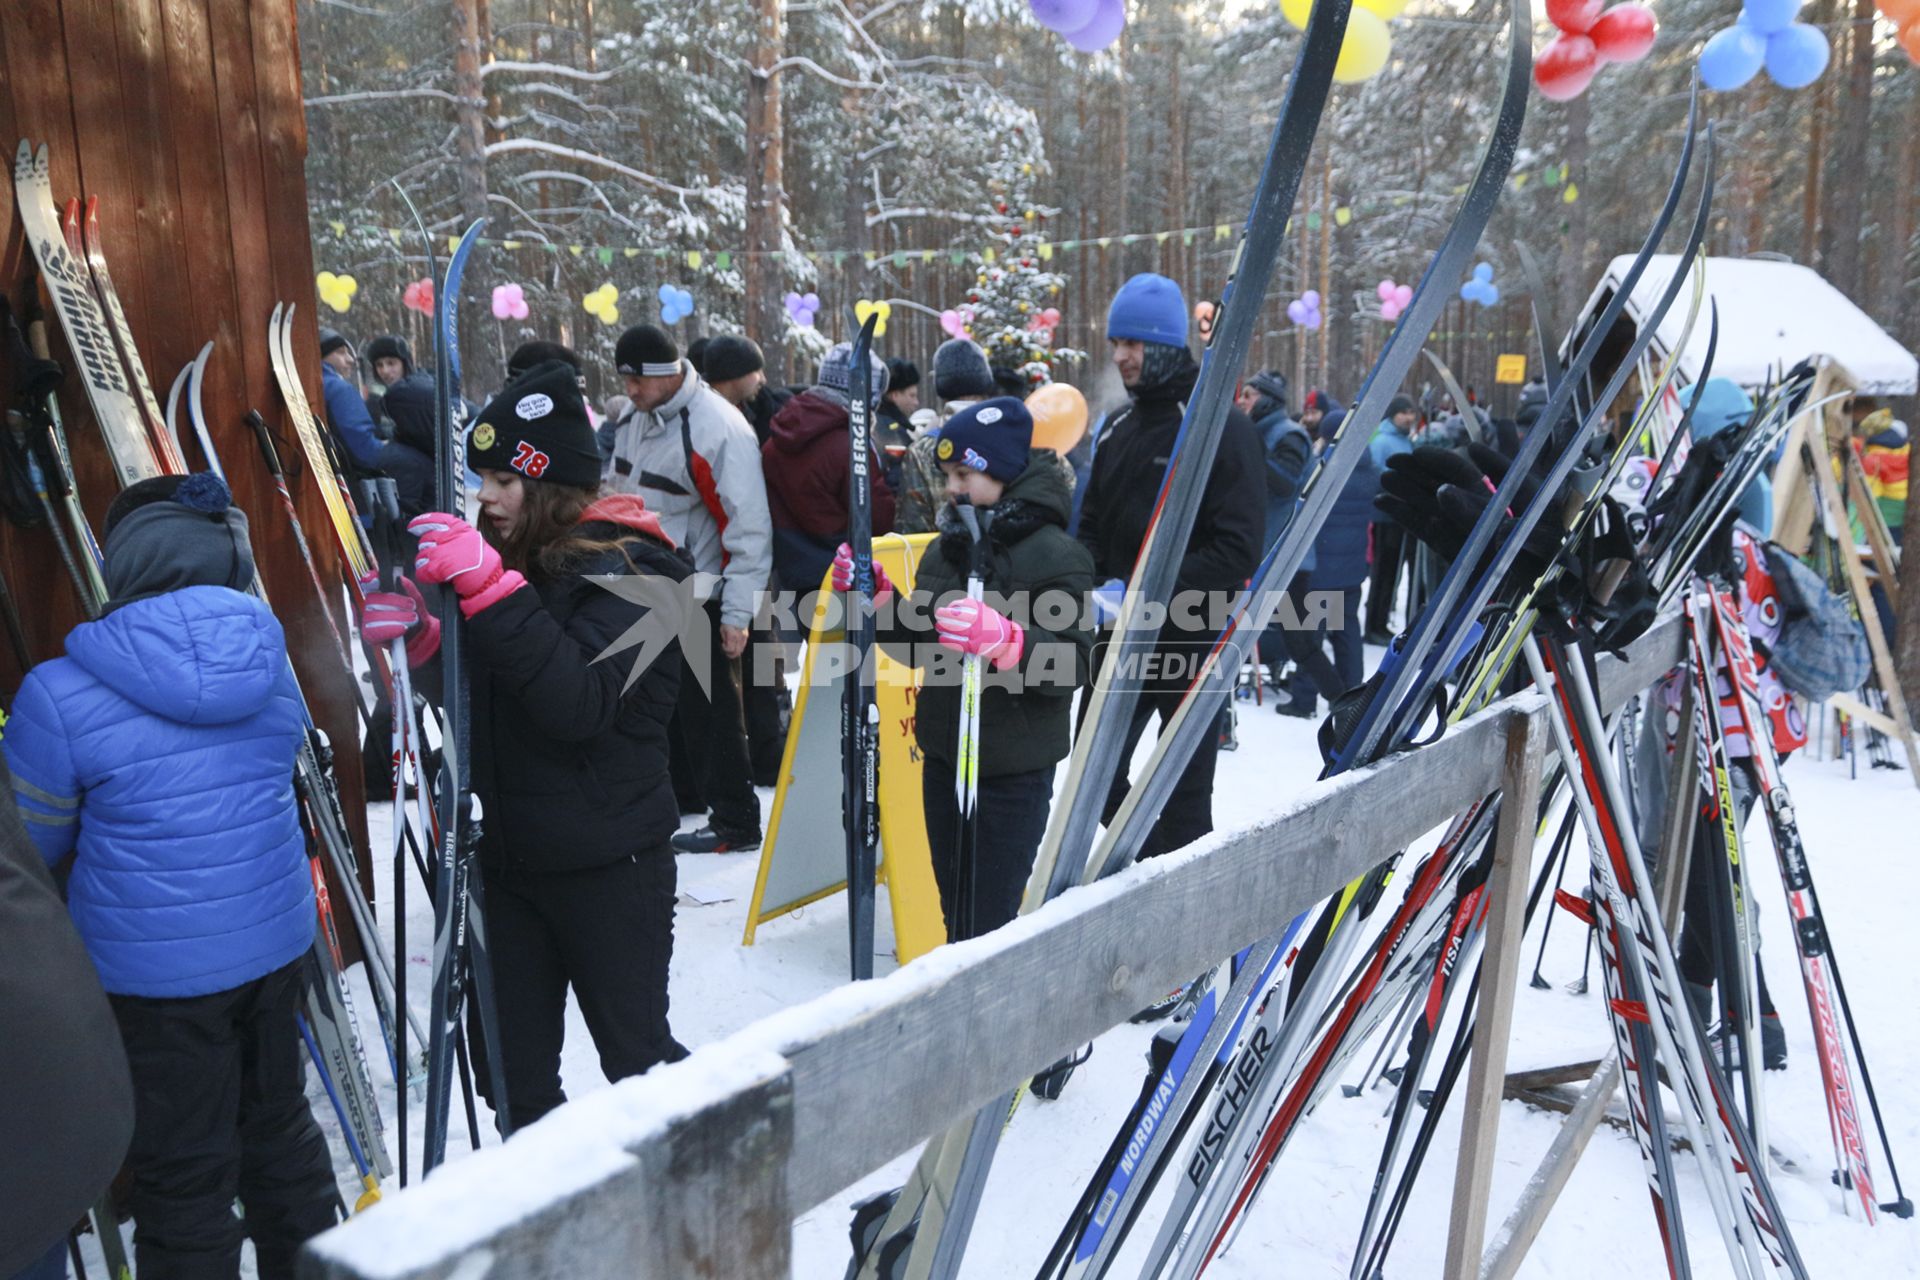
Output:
x=666 y=293
x=1402 y=295
x=336 y=291
x=1624 y=33
x=1052 y=316
x=1732 y=57
x=419 y=297
x=1483 y=272
x=1365 y=49
x=1390 y=310
x=502 y=303
x=1312 y=298
x=1901 y=13
x=1384 y=290
x=1490 y=296
x=952 y=325
x=1796 y=55
x=1574 y=17
x=1297 y=311
x=1769 y=16
x=881 y=310
x=1109 y=17
x=1910 y=40
x=1063 y=15
x=1296 y=11
x=1566 y=67
x=1059 y=416
x=1382 y=9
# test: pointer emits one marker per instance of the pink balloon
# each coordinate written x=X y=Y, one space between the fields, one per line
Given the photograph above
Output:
x=1390 y=310
x=1384 y=290
x=1052 y=315
x=1624 y=33
x=953 y=324
x=1402 y=295
x=1108 y=20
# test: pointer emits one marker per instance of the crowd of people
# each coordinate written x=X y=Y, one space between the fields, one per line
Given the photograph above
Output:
x=153 y=762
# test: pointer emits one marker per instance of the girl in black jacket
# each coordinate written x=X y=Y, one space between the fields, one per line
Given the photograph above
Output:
x=569 y=755
x=1034 y=660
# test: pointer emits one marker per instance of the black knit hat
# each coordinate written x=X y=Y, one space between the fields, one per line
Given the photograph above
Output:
x=528 y=355
x=731 y=356
x=390 y=346
x=697 y=355
x=1399 y=405
x=646 y=351
x=993 y=436
x=537 y=426
x=960 y=371
x=902 y=375
x=331 y=340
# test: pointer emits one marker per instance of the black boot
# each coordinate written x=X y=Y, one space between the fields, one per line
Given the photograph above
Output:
x=1773 y=1043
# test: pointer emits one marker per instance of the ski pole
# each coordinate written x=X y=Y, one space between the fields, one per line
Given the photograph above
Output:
x=371 y=1195
x=967 y=759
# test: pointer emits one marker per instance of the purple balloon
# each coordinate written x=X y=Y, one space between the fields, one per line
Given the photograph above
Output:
x=1063 y=15
x=1312 y=298
x=1109 y=19
x=1297 y=311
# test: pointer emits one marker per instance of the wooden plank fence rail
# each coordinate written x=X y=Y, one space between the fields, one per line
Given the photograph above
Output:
x=697 y=1169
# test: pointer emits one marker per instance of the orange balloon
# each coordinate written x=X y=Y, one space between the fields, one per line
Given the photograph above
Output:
x=1910 y=40
x=1901 y=13
x=1059 y=416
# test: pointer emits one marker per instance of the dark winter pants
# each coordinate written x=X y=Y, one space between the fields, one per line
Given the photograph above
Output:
x=1012 y=811
x=1388 y=547
x=765 y=705
x=1188 y=813
x=715 y=737
x=607 y=933
x=220 y=1113
x=1307 y=645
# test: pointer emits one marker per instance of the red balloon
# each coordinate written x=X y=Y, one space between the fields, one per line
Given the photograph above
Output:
x=1566 y=67
x=1910 y=40
x=1901 y=13
x=1624 y=33
x=1575 y=17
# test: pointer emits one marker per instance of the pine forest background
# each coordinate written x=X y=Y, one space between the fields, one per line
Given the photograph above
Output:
x=744 y=149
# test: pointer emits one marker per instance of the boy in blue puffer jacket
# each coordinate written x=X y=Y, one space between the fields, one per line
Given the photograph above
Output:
x=157 y=757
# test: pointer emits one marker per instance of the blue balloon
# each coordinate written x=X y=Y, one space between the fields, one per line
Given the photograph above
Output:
x=686 y=300
x=1797 y=55
x=1483 y=273
x=1490 y=296
x=1467 y=290
x=666 y=294
x=1769 y=16
x=1732 y=58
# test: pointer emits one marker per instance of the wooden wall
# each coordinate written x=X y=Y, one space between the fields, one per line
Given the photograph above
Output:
x=184 y=117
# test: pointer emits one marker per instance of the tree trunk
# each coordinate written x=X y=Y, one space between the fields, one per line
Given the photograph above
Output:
x=1843 y=194
x=1907 y=626
x=1577 y=270
x=470 y=140
x=1896 y=252
x=1816 y=144
x=765 y=196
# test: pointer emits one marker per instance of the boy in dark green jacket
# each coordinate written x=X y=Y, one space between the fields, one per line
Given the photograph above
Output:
x=1033 y=631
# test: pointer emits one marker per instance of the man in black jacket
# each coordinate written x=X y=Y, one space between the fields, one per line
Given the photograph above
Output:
x=1147 y=331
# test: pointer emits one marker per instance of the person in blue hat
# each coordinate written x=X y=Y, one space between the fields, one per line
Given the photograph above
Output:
x=1147 y=338
x=1032 y=629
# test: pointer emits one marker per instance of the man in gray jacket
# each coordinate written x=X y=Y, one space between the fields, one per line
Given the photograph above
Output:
x=695 y=461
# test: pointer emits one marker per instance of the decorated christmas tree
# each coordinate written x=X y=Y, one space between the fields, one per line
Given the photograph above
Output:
x=1013 y=308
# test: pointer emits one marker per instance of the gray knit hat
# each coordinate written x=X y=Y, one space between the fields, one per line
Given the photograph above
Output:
x=836 y=370
x=960 y=372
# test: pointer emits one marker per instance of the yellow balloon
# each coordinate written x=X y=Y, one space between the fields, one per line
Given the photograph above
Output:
x=325 y=280
x=1296 y=11
x=349 y=285
x=1383 y=8
x=1364 y=51
x=1059 y=416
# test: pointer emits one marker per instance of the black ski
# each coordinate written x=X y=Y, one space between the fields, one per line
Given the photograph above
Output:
x=859 y=709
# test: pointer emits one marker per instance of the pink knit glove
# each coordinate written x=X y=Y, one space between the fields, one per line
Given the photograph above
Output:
x=386 y=616
x=843 y=575
x=452 y=551
x=972 y=627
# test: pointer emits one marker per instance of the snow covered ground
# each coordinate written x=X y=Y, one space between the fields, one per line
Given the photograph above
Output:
x=1860 y=841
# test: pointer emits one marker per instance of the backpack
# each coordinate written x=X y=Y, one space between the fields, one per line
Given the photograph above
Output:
x=1822 y=649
